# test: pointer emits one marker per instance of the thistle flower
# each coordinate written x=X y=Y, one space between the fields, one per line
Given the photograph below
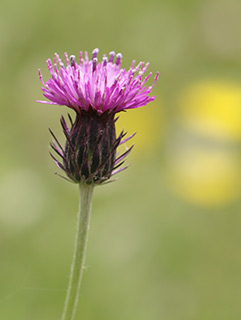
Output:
x=96 y=91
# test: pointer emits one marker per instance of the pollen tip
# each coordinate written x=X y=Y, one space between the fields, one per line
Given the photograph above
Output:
x=94 y=53
x=112 y=54
x=118 y=59
x=72 y=60
x=96 y=50
x=95 y=60
x=105 y=60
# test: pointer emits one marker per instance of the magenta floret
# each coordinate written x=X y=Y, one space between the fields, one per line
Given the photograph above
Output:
x=102 y=86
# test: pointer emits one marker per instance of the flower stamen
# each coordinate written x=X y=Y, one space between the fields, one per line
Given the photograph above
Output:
x=105 y=60
x=118 y=59
x=95 y=60
x=94 y=53
x=112 y=55
x=72 y=60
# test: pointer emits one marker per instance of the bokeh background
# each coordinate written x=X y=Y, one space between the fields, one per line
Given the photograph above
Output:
x=165 y=239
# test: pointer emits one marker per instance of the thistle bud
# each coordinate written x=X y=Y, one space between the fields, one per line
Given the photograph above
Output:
x=96 y=91
x=89 y=155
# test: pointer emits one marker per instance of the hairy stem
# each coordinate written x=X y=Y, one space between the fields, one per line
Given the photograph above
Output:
x=77 y=267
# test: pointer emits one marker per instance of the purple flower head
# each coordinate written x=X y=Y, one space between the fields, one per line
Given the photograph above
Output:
x=99 y=86
x=96 y=91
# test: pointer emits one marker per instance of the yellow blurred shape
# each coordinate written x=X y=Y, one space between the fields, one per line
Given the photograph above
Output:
x=147 y=122
x=213 y=109
x=206 y=178
x=204 y=163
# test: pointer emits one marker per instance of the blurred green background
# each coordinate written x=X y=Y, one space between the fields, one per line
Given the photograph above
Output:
x=165 y=239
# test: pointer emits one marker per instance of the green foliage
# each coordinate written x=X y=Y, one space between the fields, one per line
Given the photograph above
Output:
x=151 y=254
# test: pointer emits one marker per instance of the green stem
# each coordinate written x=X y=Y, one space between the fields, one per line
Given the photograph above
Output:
x=77 y=267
